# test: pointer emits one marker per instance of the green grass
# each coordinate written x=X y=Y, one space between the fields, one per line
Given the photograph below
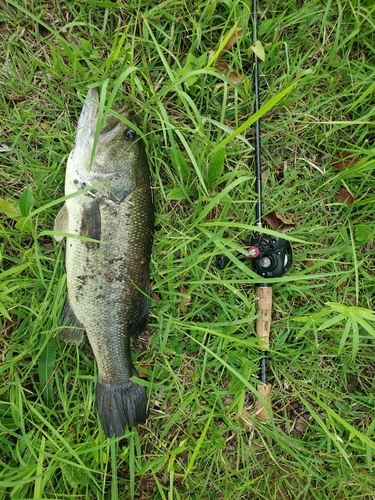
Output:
x=202 y=440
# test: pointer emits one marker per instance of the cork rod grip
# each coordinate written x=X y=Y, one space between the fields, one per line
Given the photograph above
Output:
x=263 y=327
x=264 y=309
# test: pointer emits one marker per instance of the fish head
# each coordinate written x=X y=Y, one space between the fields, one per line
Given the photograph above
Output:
x=115 y=161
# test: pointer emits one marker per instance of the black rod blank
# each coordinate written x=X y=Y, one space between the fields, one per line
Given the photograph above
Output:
x=258 y=162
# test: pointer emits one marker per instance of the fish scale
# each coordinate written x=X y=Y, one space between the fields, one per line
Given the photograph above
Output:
x=108 y=279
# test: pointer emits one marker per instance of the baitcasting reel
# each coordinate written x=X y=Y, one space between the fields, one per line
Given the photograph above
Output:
x=272 y=256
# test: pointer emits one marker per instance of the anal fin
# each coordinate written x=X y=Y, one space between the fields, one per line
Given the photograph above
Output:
x=137 y=326
x=73 y=331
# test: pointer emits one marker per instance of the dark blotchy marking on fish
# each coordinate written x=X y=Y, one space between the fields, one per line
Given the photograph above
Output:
x=108 y=280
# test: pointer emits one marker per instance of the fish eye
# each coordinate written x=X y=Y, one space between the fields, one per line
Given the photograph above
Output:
x=129 y=134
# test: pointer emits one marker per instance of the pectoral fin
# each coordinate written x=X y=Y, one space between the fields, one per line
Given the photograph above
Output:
x=61 y=222
x=91 y=223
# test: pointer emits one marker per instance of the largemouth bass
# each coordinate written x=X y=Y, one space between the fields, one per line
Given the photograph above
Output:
x=108 y=279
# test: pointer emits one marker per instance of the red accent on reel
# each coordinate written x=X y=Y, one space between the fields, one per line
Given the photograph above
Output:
x=253 y=252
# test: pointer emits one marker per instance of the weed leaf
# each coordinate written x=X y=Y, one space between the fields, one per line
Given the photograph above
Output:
x=46 y=366
x=10 y=210
x=215 y=168
x=178 y=194
x=26 y=202
x=4 y=312
x=344 y=335
x=258 y=50
x=74 y=476
x=364 y=233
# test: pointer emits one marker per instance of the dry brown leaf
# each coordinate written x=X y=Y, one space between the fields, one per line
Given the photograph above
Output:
x=344 y=159
x=185 y=299
x=293 y=408
x=279 y=173
x=276 y=221
x=300 y=425
x=232 y=40
x=141 y=373
x=310 y=263
x=233 y=76
x=15 y=98
x=43 y=31
x=222 y=67
x=45 y=126
x=157 y=298
x=343 y=196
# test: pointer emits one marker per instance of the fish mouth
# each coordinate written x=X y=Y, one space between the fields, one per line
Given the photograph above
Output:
x=89 y=115
x=111 y=132
x=113 y=126
x=88 y=120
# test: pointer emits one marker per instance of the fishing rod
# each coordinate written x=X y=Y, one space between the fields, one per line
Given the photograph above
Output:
x=271 y=255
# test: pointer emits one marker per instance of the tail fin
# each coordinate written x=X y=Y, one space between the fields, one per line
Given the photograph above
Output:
x=120 y=405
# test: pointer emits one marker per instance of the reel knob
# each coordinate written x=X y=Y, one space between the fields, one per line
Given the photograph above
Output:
x=221 y=261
